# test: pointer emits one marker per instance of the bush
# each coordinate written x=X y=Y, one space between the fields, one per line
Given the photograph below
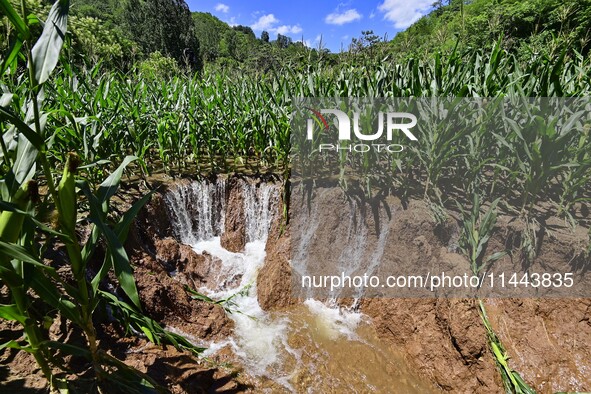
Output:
x=158 y=66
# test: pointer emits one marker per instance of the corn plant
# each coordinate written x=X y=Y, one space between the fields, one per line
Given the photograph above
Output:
x=18 y=187
x=21 y=267
x=513 y=382
x=542 y=151
x=223 y=122
x=576 y=177
x=477 y=230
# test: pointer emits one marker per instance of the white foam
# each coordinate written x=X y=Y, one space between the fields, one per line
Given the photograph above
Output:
x=334 y=321
x=258 y=337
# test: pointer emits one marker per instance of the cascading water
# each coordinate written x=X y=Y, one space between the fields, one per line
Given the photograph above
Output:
x=305 y=349
x=198 y=217
x=197 y=210
x=358 y=252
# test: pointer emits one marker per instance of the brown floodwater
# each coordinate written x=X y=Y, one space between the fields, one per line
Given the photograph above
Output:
x=327 y=351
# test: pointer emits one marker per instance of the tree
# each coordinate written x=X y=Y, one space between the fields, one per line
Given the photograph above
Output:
x=366 y=43
x=283 y=41
x=244 y=29
x=210 y=32
x=265 y=36
x=165 y=26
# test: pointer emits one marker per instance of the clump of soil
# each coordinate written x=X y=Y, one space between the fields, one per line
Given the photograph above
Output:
x=274 y=279
x=234 y=236
x=165 y=299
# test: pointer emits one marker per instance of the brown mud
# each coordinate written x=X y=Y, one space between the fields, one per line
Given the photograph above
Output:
x=445 y=340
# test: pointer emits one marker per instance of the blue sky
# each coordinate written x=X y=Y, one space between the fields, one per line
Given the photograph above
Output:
x=335 y=21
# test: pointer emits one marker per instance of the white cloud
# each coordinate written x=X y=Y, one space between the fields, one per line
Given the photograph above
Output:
x=269 y=23
x=265 y=22
x=221 y=7
x=287 y=29
x=341 y=18
x=372 y=15
x=404 y=13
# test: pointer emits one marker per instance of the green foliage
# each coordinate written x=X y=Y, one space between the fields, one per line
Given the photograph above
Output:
x=210 y=31
x=265 y=36
x=95 y=42
x=221 y=44
x=110 y=12
x=530 y=27
x=165 y=26
x=159 y=67
x=237 y=48
x=283 y=42
x=513 y=382
x=368 y=45
x=227 y=122
x=476 y=232
x=246 y=30
x=228 y=304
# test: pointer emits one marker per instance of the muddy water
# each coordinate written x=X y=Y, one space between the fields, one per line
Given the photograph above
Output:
x=316 y=347
x=325 y=357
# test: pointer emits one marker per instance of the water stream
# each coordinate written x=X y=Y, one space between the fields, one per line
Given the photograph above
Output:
x=312 y=348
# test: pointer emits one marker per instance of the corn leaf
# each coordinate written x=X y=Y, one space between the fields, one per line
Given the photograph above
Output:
x=11 y=312
x=115 y=248
x=10 y=59
x=30 y=134
x=45 y=53
x=108 y=188
x=14 y=18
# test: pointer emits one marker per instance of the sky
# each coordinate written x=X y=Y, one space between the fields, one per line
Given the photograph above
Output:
x=332 y=23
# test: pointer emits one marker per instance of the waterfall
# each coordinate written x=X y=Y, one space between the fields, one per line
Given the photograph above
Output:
x=330 y=236
x=260 y=205
x=293 y=348
x=197 y=210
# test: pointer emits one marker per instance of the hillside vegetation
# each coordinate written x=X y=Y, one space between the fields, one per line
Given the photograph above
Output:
x=526 y=27
x=124 y=33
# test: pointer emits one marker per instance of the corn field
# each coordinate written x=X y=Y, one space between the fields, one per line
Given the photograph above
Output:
x=228 y=123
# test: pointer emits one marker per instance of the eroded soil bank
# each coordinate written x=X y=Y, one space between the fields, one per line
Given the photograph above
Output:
x=440 y=342
x=444 y=339
x=317 y=354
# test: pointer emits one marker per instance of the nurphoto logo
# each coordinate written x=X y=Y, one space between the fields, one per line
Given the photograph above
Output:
x=396 y=122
